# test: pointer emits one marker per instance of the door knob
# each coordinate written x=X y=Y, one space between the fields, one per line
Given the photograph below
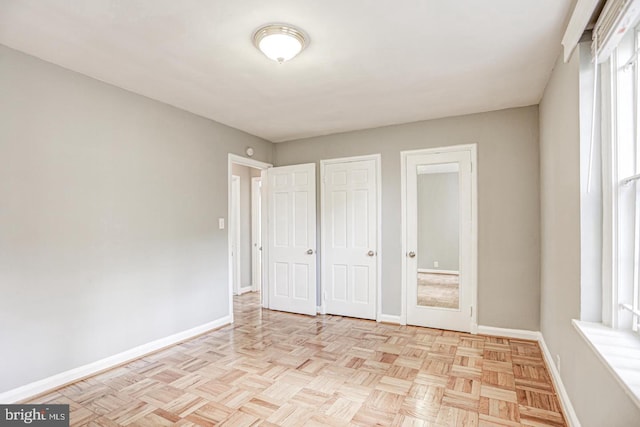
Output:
x=412 y=254
x=310 y=252
x=371 y=253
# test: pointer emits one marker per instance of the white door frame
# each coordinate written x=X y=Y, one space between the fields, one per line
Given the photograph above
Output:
x=323 y=245
x=244 y=161
x=473 y=274
x=256 y=234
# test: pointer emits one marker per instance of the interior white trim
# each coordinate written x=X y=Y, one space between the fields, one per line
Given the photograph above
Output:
x=473 y=150
x=244 y=161
x=521 y=334
x=378 y=161
x=56 y=381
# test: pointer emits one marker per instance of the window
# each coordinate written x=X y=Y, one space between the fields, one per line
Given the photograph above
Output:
x=615 y=340
x=620 y=78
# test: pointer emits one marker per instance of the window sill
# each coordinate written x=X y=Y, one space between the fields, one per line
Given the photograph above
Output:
x=618 y=350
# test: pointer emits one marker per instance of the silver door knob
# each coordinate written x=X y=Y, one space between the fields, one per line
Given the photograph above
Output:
x=310 y=252
x=412 y=254
x=371 y=253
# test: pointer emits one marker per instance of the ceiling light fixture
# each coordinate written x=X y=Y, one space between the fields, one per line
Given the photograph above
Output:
x=280 y=42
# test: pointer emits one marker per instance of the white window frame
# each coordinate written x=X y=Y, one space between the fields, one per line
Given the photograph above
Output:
x=621 y=191
x=616 y=340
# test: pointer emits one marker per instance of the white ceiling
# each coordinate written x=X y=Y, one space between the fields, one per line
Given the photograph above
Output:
x=370 y=62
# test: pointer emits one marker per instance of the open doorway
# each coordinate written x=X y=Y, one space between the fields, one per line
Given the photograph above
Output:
x=245 y=227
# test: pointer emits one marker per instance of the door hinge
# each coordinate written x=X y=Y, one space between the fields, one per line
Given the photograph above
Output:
x=471 y=311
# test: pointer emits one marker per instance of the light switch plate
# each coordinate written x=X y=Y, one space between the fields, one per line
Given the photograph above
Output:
x=221 y=223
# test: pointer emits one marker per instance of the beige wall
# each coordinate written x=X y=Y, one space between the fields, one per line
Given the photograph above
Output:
x=108 y=219
x=509 y=251
x=597 y=398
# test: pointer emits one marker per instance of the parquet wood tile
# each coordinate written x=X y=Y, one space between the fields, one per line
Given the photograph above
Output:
x=279 y=369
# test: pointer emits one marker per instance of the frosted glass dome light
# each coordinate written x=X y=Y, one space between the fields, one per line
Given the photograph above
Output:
x=280 y=42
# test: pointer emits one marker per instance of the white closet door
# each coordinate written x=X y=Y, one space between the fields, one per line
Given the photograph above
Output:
x=350 y=235
x=291 y=197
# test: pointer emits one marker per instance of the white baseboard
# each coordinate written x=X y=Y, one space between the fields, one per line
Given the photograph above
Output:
x=567 y=407
x=56 y=381
x=521 y=334
x=388 y=318
x=431 y=271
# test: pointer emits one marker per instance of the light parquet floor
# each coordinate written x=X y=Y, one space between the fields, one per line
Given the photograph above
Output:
x=278 y=369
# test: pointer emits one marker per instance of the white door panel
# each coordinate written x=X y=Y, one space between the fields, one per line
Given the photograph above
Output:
x=350 y=227
x=292 y=238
